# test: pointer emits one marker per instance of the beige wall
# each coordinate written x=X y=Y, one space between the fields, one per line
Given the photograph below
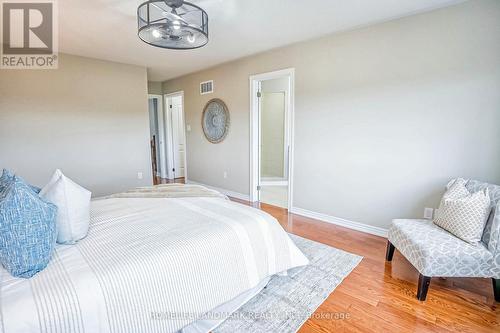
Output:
x=385 y=115
x=154 y=88
x=89 y=118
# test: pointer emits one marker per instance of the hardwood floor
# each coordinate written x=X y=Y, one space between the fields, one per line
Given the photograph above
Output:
x=381 y=297
x=158 y=180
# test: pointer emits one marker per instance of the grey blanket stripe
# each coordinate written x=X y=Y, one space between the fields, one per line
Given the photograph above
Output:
x=76 y=309
x=223 y=219
x=52 y=294
x=60 y=294
x=42 y=320
x=255 y=215
x=86 y=252
x=102 y=289
x=101 y=270
x=45 y=304
x=127 y=313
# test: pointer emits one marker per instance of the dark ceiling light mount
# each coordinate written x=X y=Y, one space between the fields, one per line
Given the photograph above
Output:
x=172 y=24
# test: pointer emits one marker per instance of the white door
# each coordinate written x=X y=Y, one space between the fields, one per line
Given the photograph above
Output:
x=273 y=147
x=178 y=137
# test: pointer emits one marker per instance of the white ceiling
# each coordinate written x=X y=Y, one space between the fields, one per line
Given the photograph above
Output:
x=107 y=29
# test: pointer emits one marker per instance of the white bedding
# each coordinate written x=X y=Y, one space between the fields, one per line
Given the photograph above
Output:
x=149 y=265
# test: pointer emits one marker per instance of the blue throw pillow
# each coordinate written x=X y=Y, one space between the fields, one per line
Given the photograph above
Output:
x=7 y=177
x=34 y=188
x=27 y=230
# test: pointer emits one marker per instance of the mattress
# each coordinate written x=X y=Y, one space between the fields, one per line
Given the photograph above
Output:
x=149 y=265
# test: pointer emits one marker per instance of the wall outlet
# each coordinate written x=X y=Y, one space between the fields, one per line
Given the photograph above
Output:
x=428 y=213
x=139 y=175
x=225 y=174
x=188 y=128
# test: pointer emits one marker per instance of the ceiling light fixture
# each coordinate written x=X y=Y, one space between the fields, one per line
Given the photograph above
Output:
x=172 y=24
x=156 y=33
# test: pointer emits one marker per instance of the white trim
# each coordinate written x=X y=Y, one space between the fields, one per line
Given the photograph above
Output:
x=287 y=135
x=169 y=138
x=377 y=231
x=255 y=81
x=229 y=193
x=254 y=136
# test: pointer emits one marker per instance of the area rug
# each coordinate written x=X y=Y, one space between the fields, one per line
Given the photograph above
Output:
x=288 y=301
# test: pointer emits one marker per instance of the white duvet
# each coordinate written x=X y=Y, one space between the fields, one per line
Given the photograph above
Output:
x=149 y=265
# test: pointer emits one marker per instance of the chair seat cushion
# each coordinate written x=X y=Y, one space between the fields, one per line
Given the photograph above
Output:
x=435 y=252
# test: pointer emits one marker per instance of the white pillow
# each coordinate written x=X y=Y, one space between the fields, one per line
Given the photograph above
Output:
x=73 y=207
x=454 y=190
x=462 y=213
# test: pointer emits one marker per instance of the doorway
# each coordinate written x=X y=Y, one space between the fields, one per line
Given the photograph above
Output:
x=157 y=137
x=167 y=138
x=272 y=133
x=176 y=136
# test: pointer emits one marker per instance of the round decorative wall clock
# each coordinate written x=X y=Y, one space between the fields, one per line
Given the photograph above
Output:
x=215 y=120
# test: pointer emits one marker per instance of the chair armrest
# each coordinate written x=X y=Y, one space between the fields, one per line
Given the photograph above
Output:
x=494 y=242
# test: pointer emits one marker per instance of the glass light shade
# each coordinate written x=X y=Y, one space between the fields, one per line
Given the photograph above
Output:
x=172 y=24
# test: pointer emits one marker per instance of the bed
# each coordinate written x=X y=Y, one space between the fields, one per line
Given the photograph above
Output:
x=156 y=259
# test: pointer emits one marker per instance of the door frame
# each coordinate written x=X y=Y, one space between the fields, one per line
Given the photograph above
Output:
x=255 y=81
x=161 y=134
x=168 y=125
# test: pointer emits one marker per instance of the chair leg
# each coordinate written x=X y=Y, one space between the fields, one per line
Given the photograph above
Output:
x=496 y=289
x=389 y=252
x=423 y=287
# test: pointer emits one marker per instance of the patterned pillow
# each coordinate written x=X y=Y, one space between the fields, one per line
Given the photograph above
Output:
x=27 y=230
x=464 y=214
x=455 y=189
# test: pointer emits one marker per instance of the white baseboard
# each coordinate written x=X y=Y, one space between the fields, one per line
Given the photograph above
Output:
x=307 y=213
x=341 y=222
x=229 y=193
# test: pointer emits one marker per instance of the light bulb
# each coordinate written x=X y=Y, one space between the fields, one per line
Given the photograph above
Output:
x=191 y=38
x=156 y=33
x=176 y=25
